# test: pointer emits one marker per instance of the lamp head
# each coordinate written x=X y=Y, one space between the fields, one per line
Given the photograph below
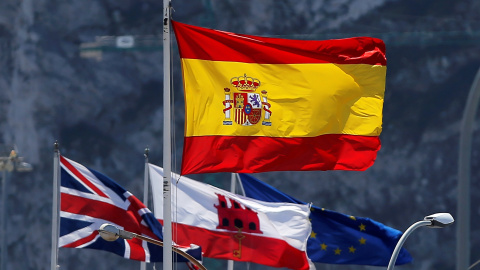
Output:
x=440 y=220
x=109 y=232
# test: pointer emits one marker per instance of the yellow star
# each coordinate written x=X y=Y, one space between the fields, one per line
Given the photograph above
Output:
x=312 y=209
x=313 y=235
x=362 y=241
x=323 y=209
x=338 y=251
x=362 y=227
x=324 y=247
x=352 y=217
x=352 y=249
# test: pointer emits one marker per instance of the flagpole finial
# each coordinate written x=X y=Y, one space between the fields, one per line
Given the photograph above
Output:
x=146 y=152
x=55 y=146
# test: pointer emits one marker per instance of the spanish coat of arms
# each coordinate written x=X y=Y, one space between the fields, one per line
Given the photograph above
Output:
x=244 y=105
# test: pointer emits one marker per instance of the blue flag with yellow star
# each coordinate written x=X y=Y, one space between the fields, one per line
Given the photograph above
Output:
x=337 y=238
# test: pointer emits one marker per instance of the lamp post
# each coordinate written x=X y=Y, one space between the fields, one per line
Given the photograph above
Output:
x=464 y=174
x=8 y=164
x=474 y=264
x=438 y=220
x=111 y=233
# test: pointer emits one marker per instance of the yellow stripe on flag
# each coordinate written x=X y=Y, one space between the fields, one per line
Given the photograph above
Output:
x=307 y=100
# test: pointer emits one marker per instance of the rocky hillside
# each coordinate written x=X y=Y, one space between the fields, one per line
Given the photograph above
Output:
x=105 y=110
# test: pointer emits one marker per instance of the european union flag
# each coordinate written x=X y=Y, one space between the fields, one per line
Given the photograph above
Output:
x=337 y=238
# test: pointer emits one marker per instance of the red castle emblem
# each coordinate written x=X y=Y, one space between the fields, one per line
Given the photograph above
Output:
x=247 y=105
x=236 y=216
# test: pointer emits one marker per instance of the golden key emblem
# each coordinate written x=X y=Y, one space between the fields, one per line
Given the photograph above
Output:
x=238 y=252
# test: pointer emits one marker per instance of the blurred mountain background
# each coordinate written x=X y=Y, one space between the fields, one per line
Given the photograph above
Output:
x=105 y=108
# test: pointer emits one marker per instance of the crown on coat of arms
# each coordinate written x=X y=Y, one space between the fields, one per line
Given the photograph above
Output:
x=244 y=83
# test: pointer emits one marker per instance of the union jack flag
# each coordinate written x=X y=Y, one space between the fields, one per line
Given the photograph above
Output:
x=90 y=199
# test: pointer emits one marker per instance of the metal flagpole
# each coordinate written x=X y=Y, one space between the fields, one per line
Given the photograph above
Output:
x=236 y=177
x=242 y=190
x=233 y=182
x=55 y=202
x=232 y=189
x=167 y=166
x=143 y=265
x=464 y=171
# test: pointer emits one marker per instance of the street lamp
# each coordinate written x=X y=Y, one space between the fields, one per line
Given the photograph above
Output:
x=8 y=163
x=111 y=233
x=438 y=220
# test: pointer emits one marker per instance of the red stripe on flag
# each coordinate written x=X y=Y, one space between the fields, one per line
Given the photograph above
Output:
x=130 y=220
x=136 y=249
x=135 y=206
x=252 y=248
x=82 y=241
x=82 y=178
x=208 y=44
x=248 y=154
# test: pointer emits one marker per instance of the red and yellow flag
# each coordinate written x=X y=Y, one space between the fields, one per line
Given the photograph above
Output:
x=256 y=104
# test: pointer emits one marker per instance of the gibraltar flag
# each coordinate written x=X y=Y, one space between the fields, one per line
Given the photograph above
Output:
x=233 y=227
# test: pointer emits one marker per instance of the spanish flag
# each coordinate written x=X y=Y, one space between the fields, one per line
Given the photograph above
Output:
x=257 y=104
